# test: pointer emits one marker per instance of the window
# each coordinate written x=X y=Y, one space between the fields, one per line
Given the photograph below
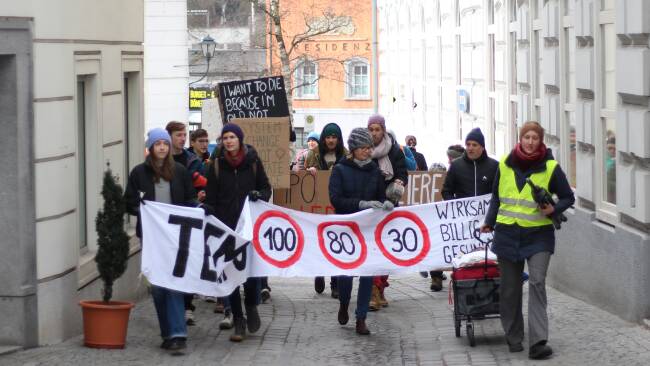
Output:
x=358 y=82
x=301 y=138
x=306 y=80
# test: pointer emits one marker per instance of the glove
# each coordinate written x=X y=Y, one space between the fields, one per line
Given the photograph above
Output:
x=394 y=192
x=209 y=210
x=254 y=195
x=198 y=180
x=370 y=204
x=388 y=205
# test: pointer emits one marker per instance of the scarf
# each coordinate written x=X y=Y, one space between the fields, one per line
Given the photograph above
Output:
x=362 y=163
x=236 y=160
x=380 y=153
x=525 y=161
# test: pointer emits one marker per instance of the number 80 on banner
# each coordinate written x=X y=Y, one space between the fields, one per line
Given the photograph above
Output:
x=342 y=243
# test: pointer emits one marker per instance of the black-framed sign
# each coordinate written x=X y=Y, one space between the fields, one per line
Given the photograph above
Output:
x=255 y=98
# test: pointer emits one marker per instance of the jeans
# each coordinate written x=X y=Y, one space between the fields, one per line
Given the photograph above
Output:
x=363 y=294
x=171 y=312
x=251 y=297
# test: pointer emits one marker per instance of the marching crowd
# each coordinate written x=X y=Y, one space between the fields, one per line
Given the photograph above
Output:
x=371 y=173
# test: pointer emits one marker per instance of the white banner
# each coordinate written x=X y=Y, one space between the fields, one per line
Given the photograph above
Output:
x=187 y=251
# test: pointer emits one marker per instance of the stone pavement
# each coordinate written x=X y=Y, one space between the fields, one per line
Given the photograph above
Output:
x=299 y=327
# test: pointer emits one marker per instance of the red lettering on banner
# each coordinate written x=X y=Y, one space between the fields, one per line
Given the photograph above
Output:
x=343 y=245
x=258 y=246
x=426 y=245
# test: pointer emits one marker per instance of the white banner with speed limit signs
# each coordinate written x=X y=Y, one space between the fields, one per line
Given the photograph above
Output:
x=373 y=242
x=187 y=251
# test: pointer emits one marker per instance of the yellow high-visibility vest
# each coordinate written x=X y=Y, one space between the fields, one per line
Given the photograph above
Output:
x=519 y=207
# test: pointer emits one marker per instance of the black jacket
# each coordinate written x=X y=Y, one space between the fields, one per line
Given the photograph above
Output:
x=517 y=243
x=420 y=161
x=141 y=180
x=469 y=178
x=350 y=183
x=398 y=161
x=227 y=190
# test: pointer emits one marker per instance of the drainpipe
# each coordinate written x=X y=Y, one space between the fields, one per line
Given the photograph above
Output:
x=375 y=60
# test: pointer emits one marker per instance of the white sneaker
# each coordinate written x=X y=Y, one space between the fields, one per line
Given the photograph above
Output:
x=189 y=317
x=226 y=322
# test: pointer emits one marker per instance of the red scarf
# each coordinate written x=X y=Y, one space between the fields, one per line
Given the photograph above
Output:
x=236 y=160
x=523 y=160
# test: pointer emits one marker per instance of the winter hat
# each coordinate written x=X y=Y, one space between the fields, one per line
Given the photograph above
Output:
x=331 y=129
x=454 y=153
x=156 y=134
x=313 y=135
x=476 y=135
x=359 y=137
x=231 y=127
x=532 y=126
x=377 y=119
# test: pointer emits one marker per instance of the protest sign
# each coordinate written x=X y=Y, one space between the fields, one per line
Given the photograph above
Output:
x=187 y=251
x=270 y=137
x=255 y=98
x=309 y=193
x=211 y=117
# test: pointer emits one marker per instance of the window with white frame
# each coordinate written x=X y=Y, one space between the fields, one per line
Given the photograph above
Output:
x=358 y=79
x=306 y=80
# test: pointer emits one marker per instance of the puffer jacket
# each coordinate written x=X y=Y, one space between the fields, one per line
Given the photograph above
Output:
x=351 y=183
x=469 y=178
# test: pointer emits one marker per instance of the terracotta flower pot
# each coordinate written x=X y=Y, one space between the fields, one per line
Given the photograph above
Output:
x=105 y=324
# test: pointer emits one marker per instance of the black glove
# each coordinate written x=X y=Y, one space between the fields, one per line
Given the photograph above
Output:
x=254 y=195
x=209 y=210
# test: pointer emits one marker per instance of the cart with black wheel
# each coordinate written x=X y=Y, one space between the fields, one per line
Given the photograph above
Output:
x=475 y=292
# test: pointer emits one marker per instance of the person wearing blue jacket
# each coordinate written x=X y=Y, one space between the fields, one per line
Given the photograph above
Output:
x=357 y=184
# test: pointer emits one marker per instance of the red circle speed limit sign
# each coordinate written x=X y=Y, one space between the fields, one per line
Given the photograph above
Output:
x=342 y=243
x=403 y=238
x=278 y=239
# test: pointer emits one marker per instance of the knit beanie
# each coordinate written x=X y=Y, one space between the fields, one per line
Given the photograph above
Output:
x=476 y=135
x=157 y=134
x=532 y=126
x=313 y=135
x=453 y=154
x=231 y=127
x=359 y=137
x=331 y=129
x=377 y=119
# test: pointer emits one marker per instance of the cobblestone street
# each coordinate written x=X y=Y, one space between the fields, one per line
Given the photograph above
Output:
x=300 y=328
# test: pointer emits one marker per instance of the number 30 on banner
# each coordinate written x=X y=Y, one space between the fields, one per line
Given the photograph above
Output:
x=278 y=239
x=342 y=244
x=403 y=238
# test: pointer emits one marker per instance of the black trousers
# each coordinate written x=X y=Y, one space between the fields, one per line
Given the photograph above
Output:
x=251 y=297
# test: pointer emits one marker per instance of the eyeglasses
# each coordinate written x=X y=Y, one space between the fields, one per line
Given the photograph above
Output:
x=203 y=141
x=367 y=148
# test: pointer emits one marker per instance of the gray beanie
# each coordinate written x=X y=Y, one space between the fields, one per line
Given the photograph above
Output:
x=359 y=137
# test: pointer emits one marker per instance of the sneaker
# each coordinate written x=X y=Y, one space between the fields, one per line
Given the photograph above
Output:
x=436 y=284
x=343 y=316
x=240 y=330
x=319 y=284
x=189 y=317
x=361 y=328
x=540 y=351
x=265 y=294
x=226 y=322
x=335 y=293
x=176 y=346
x=254 y=322
x=165 y=343
x=211 y=299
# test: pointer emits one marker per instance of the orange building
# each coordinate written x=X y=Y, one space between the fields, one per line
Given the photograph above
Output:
x=331 y=71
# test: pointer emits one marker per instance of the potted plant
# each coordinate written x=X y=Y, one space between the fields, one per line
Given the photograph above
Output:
x=106 y=321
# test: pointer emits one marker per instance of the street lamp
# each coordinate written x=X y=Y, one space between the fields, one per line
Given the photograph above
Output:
x=208 y=46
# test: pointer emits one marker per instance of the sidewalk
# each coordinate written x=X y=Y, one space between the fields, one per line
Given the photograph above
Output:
x=299 y=327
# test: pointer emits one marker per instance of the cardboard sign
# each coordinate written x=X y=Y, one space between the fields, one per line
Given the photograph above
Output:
x=309 y=193
x=270 y=137
x=211 y=117
x=255 y=98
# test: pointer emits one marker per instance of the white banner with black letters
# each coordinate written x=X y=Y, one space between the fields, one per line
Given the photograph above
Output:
x=187 y=251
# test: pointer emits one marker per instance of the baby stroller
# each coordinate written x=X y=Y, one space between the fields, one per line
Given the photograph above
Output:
x=475 y=289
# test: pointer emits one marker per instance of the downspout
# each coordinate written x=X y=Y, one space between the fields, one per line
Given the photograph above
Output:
x=375 y=60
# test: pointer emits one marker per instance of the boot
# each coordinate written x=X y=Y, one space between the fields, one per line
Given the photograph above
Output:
x=240 y=330
x=254 y=322
x=436 y=284
x=375 y=299
x=382 y=299
x=362 y=329
x=344 y=317
x=319 y=284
